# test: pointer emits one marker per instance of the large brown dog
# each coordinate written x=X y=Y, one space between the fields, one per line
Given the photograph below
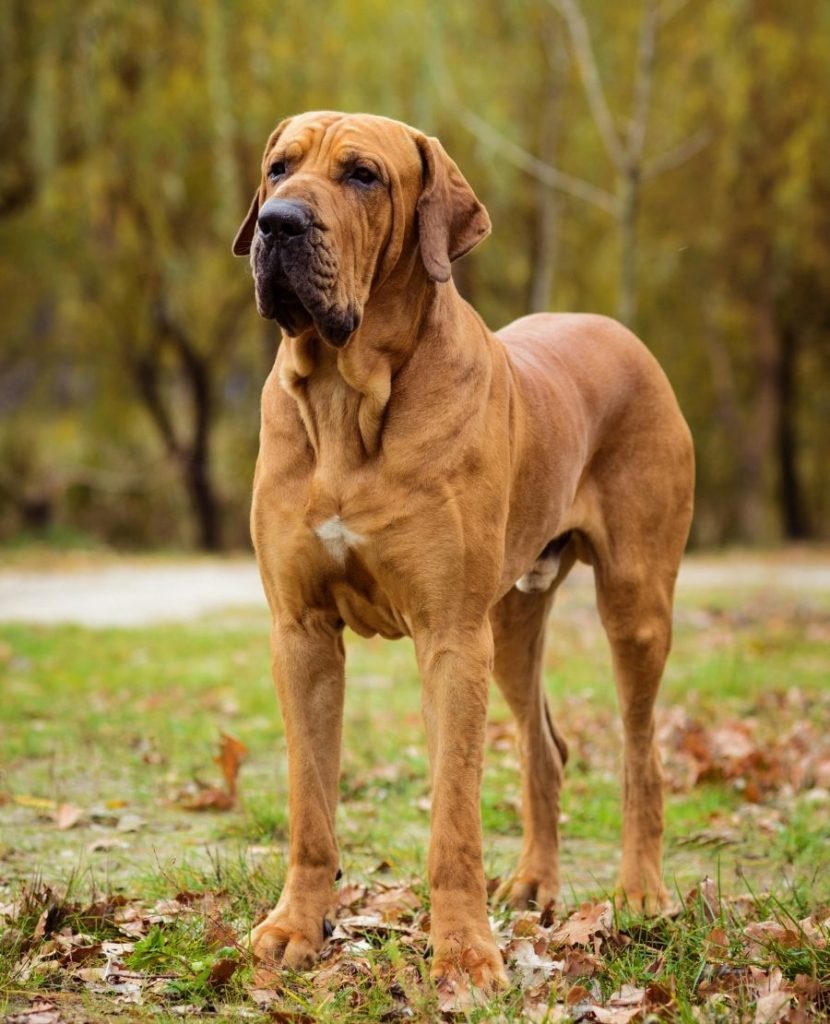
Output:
x=421 y=476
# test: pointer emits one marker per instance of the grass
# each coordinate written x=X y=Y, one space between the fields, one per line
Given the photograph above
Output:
x=117 y=722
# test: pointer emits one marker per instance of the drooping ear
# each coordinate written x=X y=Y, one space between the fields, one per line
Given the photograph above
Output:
x=245 y=234
x=451 y=220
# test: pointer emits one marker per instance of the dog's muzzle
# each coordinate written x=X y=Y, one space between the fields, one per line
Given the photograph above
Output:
x=296 y=273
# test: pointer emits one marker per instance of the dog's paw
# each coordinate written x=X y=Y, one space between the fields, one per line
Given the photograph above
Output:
x=467 y=969
x=280 y=942
x=523 y=893
x=650 y=903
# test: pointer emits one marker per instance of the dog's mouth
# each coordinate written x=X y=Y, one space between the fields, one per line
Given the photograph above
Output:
x=293 y=286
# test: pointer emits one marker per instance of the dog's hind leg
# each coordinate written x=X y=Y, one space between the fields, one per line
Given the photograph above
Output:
x=635 y=606
x=519 y=633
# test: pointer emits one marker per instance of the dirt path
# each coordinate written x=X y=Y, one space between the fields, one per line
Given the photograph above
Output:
x=132 y=593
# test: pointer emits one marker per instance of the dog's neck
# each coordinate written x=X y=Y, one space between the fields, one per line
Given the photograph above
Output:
x=358 y=380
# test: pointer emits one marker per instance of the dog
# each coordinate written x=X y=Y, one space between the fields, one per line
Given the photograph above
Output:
x=421 y=476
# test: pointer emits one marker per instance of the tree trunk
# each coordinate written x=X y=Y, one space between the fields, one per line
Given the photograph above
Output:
x=200 y=485
x=790 y=491
x=758 y=440
x=205 y=504
x=630 y=201
x=189 y=448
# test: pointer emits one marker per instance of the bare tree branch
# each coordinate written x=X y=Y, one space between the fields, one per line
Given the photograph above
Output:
x=677 y=155
x=642 y=85
x=532 y=165
x=670 y=8
x=586 y=61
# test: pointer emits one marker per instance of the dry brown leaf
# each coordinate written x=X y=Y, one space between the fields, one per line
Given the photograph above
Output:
x=580 y=929
x=763 y=934
x=580 y=964
x=222 y=971
x=547 y=915
x=219 y=935
x=231 y=754
x=772 y=1008
x=67 y=816
x=42 y=1011
x=77 y=949
x=705 y=894
x=525 y=926
x=393 y=903
x=659 y=994
x=350 y=895
x=615 y=1014
x=716 y=945
x=622 y=1007
x=577 y=994
x=208 y=799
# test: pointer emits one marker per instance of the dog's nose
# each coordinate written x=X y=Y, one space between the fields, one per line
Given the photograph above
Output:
x=286 y=218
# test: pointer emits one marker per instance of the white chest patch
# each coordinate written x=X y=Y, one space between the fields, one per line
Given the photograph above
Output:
x=337 y=537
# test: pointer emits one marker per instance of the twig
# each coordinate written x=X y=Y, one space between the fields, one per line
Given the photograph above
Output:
x=532 y=165
x=586 y=61
x=677 y=155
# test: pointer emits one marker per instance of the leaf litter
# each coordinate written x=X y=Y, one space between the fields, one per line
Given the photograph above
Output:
x=766 y=969
x=561 y=966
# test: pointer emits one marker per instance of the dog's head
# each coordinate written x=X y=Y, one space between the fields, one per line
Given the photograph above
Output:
x=343 y=199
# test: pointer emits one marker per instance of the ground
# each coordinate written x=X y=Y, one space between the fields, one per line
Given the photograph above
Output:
x=132 y=864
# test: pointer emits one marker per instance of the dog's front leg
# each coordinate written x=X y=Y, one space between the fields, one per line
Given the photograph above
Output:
x=456 y=670
x=308 y=664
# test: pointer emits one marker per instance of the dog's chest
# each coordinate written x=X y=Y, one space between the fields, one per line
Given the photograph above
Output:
x=337 y=538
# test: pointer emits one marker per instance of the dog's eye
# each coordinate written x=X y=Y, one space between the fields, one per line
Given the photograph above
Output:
x=363 y=175
x=276 y=170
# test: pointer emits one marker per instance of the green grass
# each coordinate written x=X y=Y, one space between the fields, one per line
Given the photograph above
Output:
x=116 y=722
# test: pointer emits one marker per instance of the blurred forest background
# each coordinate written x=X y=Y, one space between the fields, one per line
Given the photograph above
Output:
x=663 y=161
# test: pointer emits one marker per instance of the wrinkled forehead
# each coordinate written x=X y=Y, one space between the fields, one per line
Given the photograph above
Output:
x=328 y=134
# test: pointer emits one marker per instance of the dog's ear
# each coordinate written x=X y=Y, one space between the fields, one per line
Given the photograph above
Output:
x=451 y=220
x=245 y=234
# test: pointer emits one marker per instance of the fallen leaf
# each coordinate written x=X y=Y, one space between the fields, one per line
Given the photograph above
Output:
x=771 y=1008
x=528 y=963
x=130 y=823
x=394 y=903
x=580 y=929
x=716 y=945
x=219 y=935
x=67 y=816
x=622 y=1007
x=577 y=994
x=350 y=895
x=221 y=972
x=107 y=843
x=39 y=803
x=764 y=934
x=231 y=755
x=42 y=1011
x=580 y=964
x=207 y=799
x=705 y=895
